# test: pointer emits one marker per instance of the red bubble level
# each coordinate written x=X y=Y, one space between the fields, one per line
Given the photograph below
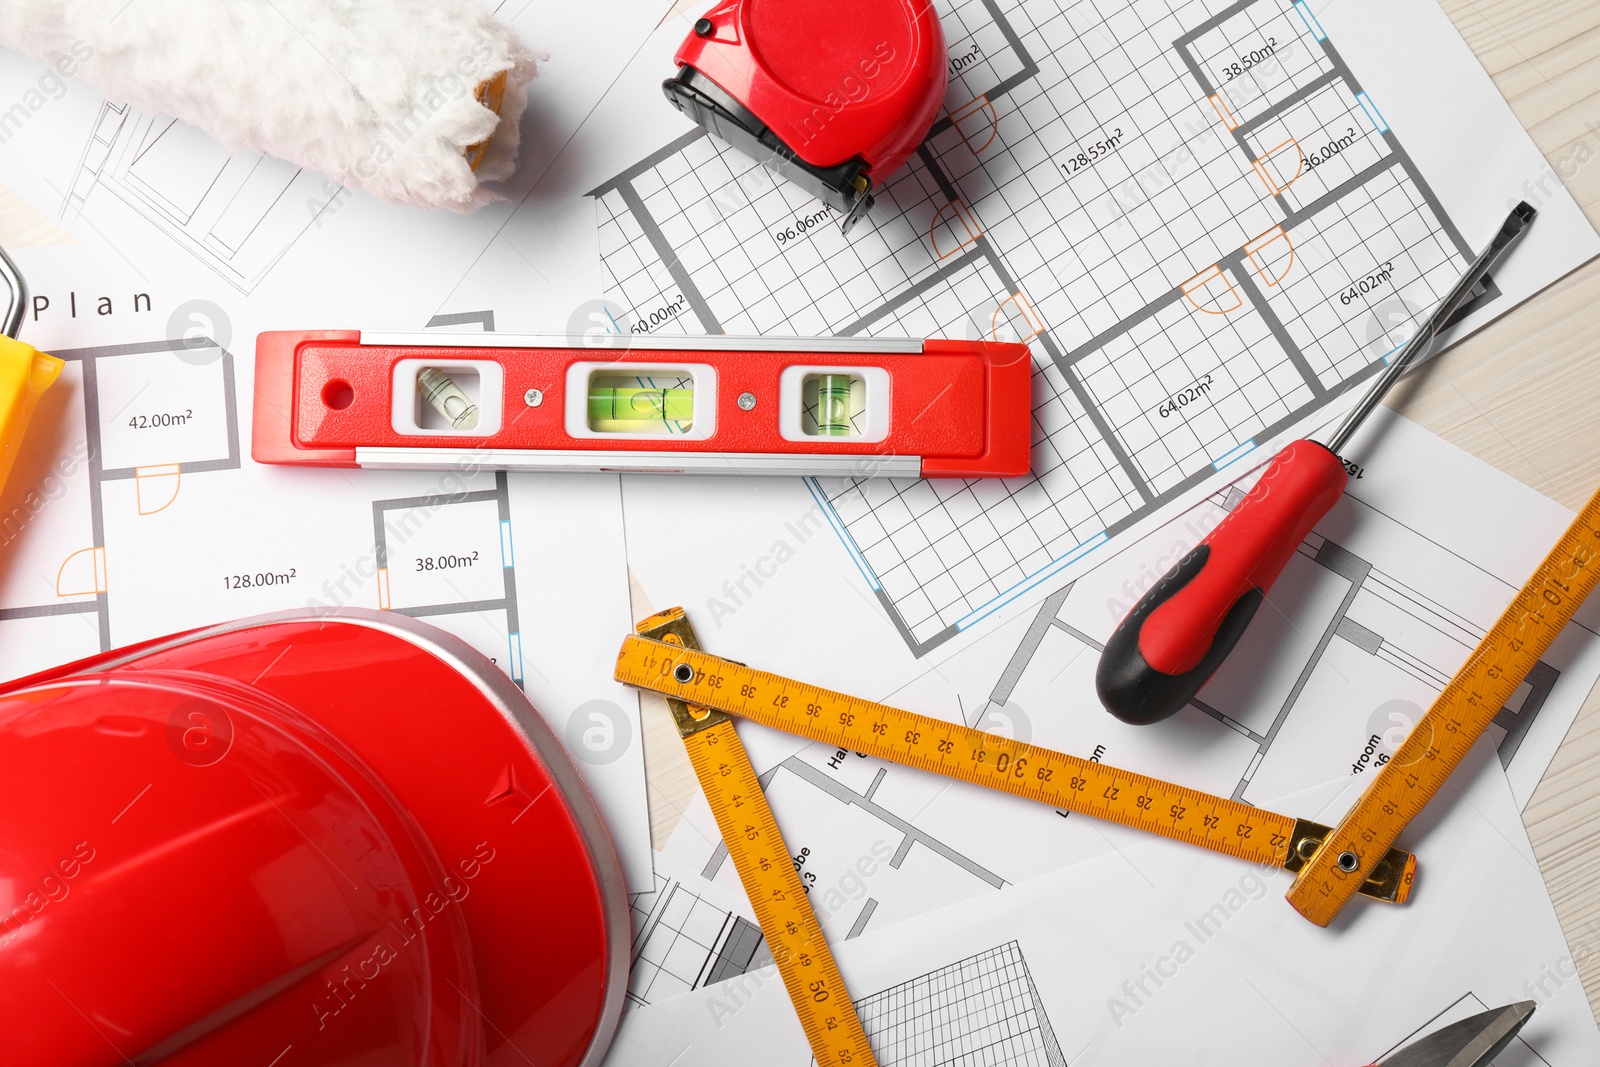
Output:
x=841 y=407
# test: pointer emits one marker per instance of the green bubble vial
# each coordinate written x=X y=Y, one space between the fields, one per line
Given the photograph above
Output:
x=637 y=405
x=447 y=398
x=833 y=406
x=829 y=403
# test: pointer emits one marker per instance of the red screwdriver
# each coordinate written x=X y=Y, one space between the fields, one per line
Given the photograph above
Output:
x=1179 y=632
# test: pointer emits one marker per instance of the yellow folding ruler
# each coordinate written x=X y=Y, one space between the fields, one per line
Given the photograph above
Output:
x=759 y=855
x=1443 y=736
x=703 y=690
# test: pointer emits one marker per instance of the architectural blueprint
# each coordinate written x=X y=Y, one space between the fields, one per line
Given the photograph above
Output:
x=1383 y=602
x=135 y=511
x=983 y=1008
x=689 y=932
x=1163 y=953
x=1213 y=221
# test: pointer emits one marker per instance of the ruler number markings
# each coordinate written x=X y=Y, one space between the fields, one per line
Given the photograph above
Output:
x=1456 y=720
x=1022 y=769
x=773 y=888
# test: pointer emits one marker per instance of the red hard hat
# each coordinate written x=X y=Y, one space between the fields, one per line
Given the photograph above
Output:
x=299 y=839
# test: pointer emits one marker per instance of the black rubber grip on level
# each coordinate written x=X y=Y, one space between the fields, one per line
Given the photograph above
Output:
x=1136 y=692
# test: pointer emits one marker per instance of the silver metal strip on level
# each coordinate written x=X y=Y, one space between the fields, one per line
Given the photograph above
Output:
x=620 y=343
x=585 y=461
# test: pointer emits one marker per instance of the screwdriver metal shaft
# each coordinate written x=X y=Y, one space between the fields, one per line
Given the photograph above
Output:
x=1516 y=225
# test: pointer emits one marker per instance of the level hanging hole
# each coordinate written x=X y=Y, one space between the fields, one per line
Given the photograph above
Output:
x=338 y=395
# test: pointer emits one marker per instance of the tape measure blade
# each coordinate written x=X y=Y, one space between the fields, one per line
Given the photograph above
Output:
x=1450 y=727
x=782 y=908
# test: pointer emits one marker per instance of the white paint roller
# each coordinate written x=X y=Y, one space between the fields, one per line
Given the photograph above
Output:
x=413 y=101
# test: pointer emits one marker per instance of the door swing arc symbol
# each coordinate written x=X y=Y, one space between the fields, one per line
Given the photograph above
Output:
x=156 y=487
x=1213 y=292
x=1272 y=167
x=956 y=225
x=1272 y=256
x=977 y=122
x=83 y=573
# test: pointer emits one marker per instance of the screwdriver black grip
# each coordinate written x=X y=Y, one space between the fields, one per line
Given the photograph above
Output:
x=1181 y=630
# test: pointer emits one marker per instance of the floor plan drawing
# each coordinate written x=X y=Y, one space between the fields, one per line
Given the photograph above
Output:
x=980 y=1010
x=157 y=421
x=682 y=940
x=138 y=431
x=1196 y=216
x=135 y=510
x=238 y=212
x=463 y=567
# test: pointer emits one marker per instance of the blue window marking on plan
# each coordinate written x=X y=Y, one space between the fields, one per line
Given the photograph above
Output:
x=844 y=537
x=514 y=645
x=1234 y=454
x=1032 y=580
x=1372 y=112
x=1310 y=20
x=506 y=560
x=1388 y=357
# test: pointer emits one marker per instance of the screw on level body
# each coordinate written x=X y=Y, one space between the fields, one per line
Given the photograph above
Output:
x=533 y=398
x=747 y=401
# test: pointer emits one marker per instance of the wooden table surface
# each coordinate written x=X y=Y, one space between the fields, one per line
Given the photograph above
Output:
x=1523 y=394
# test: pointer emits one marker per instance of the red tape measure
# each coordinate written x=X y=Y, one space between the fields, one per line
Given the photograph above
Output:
x=833 y=97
